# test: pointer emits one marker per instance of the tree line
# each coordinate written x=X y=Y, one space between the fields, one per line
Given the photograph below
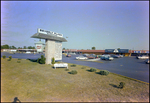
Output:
x=6 y=46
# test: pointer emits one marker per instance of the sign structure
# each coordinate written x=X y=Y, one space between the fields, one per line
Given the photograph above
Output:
x=58 y=50
x=49 y=32
x=116 y=51
x=53 y=44
x=39 y=46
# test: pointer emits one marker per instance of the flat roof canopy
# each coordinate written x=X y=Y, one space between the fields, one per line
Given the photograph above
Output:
x=48 y=36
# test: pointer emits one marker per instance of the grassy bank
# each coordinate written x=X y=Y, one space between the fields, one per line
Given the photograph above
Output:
x=30 y=81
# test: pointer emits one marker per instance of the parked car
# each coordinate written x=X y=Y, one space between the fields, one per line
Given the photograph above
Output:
x=115 y=56
x=85 y=55
x=106 y=57
x=72 y=53
x=143 y=57
x=68 y=55
x=91 y=57
x=99 y=56
x=110 y=58
x=147 y=61
x=81 y=57
x=121 y=55
x=28 y=52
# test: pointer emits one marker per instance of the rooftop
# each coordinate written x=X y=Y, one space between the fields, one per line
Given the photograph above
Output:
x=49 y=37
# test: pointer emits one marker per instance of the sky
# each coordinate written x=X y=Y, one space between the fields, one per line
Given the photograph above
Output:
x=87 y=24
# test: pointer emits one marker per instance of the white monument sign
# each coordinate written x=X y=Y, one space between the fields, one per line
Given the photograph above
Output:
x=53 y=44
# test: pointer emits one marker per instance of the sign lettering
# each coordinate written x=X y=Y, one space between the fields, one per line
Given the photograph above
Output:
x=49 y=32
x=38 y=47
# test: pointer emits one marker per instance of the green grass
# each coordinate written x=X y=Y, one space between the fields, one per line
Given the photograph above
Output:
x=31 y=81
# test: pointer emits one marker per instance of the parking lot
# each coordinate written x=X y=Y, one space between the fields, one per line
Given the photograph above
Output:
x=126 y=66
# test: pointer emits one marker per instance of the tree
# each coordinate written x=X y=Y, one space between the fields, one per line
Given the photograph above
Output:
x=93 y=48
x=13 y=47
x=10 y=47
x=118 y=48
x=63 y=48
x=5 y=46
x=24 y=47
x=29 y=47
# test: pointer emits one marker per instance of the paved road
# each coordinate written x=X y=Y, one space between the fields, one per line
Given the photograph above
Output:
x=127 y=66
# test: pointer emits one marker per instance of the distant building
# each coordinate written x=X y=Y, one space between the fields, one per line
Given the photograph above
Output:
x=125 y=52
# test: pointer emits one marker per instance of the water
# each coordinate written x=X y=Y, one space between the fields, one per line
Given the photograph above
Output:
x=127 y=66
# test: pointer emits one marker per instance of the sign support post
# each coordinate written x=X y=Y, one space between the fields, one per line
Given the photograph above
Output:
x=53 y=44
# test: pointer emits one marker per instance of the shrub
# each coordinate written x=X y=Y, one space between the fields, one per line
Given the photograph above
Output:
x=104 y=72
x=41 y=60
x=92 y=70
x=73 y=72
x=122 y=85
x=18 y=61
x=10 y=57
x=53 y=60
x=83 y=67
x=66 y=69
x=4 y=56
x=73 y=65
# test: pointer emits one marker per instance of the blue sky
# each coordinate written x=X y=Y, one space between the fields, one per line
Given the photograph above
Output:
x=102 y=24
